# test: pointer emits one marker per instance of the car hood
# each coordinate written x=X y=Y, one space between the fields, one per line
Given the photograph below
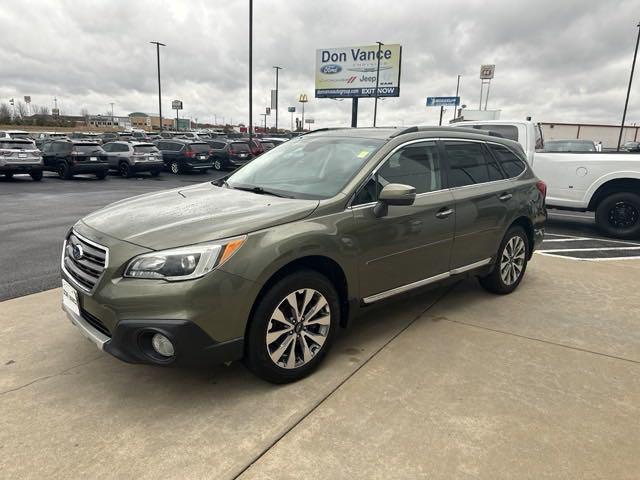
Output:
x=195 y=214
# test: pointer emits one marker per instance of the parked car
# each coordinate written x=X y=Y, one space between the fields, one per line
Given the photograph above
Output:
x=17 y=134
x=95 y=137
x=72 y=157
x=109 y=137
x=139 y=136
x=226 y=155
x=129 y=158
x=572 y=145
x=631 y=146
x=19 y=155
x=601 y=182
x=270 y=262
x=184 y=155
x=44 y=137
x=275 y=140
x=255 y=146
x=266 y=145
x=167 y=134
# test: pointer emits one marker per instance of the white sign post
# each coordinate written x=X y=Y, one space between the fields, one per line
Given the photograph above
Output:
x=486 y=74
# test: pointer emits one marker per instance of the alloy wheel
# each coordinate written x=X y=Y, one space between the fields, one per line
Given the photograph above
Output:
x=217 y=165
x=175 y=168
x=512 y=260
x=298 y=328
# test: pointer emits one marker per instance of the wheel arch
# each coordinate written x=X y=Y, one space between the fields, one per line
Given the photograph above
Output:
x=616 y=185
x=324 y=265
x=527 y=226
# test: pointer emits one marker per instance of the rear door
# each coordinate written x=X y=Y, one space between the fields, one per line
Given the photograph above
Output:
x=411 y=243
x=483 y=202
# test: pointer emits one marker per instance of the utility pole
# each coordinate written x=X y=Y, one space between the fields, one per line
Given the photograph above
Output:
x=626 y=102
x=158 y=45
x=455 y=109
x=277 y=69
x=250 y=70
x=375 y=106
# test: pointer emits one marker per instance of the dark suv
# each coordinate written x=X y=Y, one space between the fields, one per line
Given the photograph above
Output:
x=71 y=157
x=267 y=263
x=227 y=155
x=185 y=155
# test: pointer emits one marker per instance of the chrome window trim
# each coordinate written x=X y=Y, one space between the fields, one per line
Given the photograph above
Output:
x=90 y=242
x=426 y=281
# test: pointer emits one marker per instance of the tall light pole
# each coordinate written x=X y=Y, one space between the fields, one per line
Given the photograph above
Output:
x=455 y=108
x=250 y=69
x=626 y=102
x=375 y=106
x=277 y=70
x=111 y=114
x=158 y=45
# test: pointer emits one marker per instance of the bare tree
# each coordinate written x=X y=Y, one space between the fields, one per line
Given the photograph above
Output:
x=5 y=114
x=84 y=112
x=21 y=110
x=43 y=110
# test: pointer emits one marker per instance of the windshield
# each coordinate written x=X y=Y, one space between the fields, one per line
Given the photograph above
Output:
x=307 y=167
x=569 y=146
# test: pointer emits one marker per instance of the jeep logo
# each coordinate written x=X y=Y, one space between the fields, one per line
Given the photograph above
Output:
x=330 y=69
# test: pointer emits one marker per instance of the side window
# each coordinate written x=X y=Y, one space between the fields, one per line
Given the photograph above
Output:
x=417 y=165
x=468 y=164
x=58 y=147
x=107 y=147
x=162 y=145
x=46 y=148
x=122 y=147
x=511 y=163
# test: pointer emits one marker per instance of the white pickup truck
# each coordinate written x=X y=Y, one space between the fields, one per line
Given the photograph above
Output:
x=605 y=183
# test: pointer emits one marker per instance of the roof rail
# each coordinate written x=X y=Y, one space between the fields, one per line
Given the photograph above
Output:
x=477 y=131
x=325 y=129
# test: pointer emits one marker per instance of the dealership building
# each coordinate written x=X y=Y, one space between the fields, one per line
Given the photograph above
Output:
x=605 y=133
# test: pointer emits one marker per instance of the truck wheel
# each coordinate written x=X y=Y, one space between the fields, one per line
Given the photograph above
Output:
x=174 y=167
x=64 y=171
x=125 y=170
x=511 y=263
x=292 y=327
x=618 y=215
x=36 y=175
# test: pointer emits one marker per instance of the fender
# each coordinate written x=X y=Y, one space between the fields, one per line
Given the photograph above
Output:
x=619 y=175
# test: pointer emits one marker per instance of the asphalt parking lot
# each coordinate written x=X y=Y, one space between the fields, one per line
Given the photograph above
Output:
x=446 y=383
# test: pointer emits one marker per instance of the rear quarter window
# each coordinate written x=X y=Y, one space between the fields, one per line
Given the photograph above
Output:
x=511 y=163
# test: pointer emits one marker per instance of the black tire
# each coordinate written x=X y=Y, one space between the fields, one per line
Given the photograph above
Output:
x=64 y=171
x=618 y=215
x=174 y=167
x=125 y=170
x=217 y=165
x=102 y=174
x=155 y=173
x=257 y=356
x=8 y=175
x=36 y=175
x=497 y=281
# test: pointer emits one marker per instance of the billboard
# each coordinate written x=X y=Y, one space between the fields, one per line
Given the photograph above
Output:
x=176 y=105
x=487 y=72
x=351 y=71
x=443 y=101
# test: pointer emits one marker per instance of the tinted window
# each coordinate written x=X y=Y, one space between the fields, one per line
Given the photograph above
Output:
x=511 y=164
x=506 y=131
x=199 y=147
x=217 y=145
x=87 y=148
x=417 y=165
x=17 y=145
x=107 y=147
x=61 y=147
x=468 y=164
x=176 y=147
x=239 y=147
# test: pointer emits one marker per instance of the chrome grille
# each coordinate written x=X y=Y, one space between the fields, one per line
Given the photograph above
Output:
x=84 y=261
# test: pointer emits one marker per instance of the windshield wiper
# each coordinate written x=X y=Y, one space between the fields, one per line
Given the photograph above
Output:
x=259 y=190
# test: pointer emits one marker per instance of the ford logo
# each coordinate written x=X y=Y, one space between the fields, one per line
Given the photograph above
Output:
x=77 y=252
x=330 y=69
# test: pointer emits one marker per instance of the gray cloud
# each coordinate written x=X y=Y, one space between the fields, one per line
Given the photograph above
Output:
x=556 y=60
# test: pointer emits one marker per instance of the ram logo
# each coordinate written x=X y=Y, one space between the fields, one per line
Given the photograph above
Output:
x=330 y=69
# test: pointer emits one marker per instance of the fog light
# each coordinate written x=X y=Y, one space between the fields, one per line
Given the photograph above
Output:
x=162 y=345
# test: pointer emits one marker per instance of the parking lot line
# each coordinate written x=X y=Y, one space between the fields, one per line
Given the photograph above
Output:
x=574 y=239
x=581 y=259
x=597 y=249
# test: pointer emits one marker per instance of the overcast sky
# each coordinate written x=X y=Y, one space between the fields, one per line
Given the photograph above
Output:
x=557 y=60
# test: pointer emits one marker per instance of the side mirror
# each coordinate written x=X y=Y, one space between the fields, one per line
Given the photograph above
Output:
x=394 y=194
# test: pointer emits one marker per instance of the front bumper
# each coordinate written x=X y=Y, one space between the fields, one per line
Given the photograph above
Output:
x=131 y=342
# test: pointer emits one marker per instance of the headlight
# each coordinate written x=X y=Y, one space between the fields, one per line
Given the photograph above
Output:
x=184 y=263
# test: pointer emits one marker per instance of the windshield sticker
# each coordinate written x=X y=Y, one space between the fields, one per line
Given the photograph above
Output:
x=363 y=154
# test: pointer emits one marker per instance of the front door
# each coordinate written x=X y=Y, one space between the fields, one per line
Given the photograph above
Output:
x=411 y=243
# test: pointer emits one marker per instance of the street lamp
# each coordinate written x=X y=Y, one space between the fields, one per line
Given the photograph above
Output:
x=375 y=107
x=626 y=102
x=277 y=70
x=303 y=99
x=158 y=45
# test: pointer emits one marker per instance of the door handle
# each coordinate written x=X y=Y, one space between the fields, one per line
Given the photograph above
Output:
x=505 y=196
x=444 y=212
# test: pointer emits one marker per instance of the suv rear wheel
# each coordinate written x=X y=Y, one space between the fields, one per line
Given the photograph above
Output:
x=64 y=171
x=618 y=215
x=125 y=170
x=292 y=327
x=36 y=175
x=511 y=263
x=217 y=164
x=174 y=167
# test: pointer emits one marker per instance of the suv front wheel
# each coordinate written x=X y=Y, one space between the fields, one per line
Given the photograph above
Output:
x=511 y=263
x=292 y=327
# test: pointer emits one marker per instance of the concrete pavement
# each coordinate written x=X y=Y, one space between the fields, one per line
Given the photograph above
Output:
x=544 y=383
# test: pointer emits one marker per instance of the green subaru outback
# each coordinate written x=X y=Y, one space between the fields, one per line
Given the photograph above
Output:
x=265 y=264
